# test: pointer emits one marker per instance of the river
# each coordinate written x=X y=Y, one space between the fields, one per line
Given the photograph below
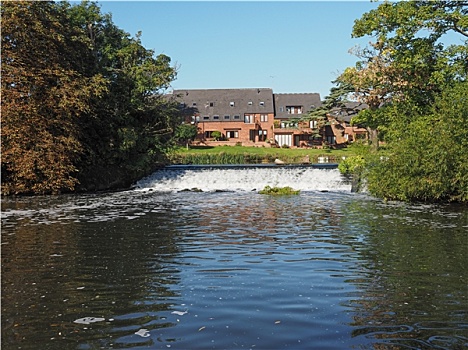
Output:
x=157 y=267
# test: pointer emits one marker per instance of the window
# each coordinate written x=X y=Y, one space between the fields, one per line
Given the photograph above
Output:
x=237 y=117
x=262 y=103
x=211 y=104
x=232 y=134
x=197 y=118
x=331 y=140
x=231 y=104
x=249 y=119
x=281 y=109
x=263 y=117
x=194 y=104
x=262 y=135
x=250 y=103
x=313 y=124
x=206 y=117
x=294 y=109
x=227 y=117
x=216 y=117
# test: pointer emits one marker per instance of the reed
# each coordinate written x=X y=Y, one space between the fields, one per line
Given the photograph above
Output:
x=245 y=158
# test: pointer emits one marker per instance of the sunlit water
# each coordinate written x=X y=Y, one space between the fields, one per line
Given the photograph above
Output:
x=233 y=270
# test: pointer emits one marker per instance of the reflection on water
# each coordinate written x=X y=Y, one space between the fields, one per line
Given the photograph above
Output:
x=231 y=271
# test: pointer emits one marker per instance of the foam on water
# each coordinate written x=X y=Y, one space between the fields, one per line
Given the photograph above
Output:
x=245 y=179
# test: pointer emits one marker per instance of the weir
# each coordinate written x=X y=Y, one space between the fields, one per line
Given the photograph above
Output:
x=246 y=177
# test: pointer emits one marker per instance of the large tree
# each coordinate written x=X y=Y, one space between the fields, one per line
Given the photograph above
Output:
x=408 y=61
x=81 y=99
x=406 y=77
x=45 y=89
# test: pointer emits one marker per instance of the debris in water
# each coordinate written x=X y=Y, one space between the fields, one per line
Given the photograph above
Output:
x=277 y=322
x=88 y=320
x=201 y=328
x=143 y=333
x=180 y=313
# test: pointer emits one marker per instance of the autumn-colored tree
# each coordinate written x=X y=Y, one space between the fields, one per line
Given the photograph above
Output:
x=44 y=91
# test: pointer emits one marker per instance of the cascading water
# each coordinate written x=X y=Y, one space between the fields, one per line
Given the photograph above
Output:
x=238 y=178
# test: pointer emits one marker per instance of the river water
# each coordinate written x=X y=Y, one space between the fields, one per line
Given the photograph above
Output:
x=161 y=268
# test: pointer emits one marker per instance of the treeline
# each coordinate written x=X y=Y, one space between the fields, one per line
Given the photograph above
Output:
x=415 y=85
x=82 y=105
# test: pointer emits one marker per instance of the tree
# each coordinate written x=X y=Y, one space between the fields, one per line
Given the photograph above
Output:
x=45 y=89
x=402 y=64
x=81 y=100
x=416 y=88
x=135 y=123
x=336 y=100
x=428 y=163
x=186 y=133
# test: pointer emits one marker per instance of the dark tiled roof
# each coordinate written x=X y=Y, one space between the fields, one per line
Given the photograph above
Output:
x=222 y=102
x=308 y=101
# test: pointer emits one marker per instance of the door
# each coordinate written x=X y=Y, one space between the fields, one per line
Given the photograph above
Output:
x=282 y=140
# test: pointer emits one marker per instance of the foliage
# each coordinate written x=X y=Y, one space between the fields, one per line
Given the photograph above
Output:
x=415 y=87
x=428 y=163
x=78 y=93
x=279 y=191
x=351 y=165
x=46 y=86
x=216 y=135
x=186 y=133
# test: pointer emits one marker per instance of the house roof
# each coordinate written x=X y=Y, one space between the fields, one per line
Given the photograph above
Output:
x=308 y=101
x=226 y=101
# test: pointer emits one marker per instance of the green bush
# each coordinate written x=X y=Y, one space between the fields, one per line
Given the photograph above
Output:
x=279 y=191
x=351 y=165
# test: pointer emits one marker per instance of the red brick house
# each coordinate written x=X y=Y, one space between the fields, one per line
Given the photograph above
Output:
x=259 y=117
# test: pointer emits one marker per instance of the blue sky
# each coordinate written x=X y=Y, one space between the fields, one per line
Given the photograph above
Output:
x=287 y=46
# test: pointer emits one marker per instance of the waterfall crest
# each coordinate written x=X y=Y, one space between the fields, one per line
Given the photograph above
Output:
x=243 y=178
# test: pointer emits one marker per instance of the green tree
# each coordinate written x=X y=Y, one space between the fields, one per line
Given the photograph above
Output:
x=134 y=124
x=186 y=133
x=336 y=100
x=406 y=77
x=428 y=163
x=408 y=60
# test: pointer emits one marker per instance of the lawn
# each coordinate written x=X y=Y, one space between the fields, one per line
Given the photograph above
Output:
x=241 y=154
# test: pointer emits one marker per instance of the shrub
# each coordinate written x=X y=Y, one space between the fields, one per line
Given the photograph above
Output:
x=278 y=191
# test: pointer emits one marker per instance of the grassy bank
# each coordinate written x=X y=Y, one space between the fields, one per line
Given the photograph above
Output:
x=253 y=155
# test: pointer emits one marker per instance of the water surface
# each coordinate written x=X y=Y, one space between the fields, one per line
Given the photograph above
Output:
x=232 y=270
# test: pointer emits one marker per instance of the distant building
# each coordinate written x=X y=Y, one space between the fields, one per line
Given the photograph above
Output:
x=290 y=109
x=254 y=117
x=240 y=115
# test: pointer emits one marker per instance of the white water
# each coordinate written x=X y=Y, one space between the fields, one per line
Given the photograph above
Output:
x=245 y=179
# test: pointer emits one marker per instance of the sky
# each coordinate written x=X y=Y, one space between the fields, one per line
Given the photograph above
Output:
x=291 y=47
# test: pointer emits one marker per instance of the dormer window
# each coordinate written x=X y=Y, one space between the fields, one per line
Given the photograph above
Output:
x=231 y=104
x=250 y=103
x=262 y=103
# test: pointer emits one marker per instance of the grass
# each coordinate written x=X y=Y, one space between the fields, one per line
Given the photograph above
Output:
x=253 y=155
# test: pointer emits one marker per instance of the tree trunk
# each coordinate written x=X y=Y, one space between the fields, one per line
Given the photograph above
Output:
x=373 y=138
